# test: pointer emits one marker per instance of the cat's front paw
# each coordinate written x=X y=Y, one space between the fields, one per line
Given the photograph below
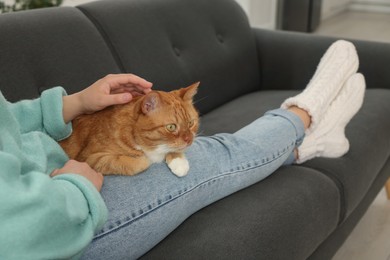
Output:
x=179 y=166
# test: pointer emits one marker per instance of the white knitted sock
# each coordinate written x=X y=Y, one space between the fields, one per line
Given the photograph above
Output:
x=339 y=62
x=328 y=138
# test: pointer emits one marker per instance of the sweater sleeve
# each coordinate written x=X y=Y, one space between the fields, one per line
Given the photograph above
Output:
x=43 y=114
x=43 y=217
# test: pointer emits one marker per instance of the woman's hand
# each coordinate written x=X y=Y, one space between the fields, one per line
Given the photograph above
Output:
x=82 y=169
x=110 y=90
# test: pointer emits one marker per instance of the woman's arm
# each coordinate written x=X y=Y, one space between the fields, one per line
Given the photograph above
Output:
x=110 y=90
x=52 y=112
x=43 y=114
x=44 y=217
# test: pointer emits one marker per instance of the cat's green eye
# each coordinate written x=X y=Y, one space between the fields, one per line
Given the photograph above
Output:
x=171 y=127
x=191 y=123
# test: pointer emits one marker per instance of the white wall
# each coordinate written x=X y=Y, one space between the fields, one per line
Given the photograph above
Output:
x=245 y=4
x=75 y=2
x=382 y=6
x=261 y=13
x=333 y=7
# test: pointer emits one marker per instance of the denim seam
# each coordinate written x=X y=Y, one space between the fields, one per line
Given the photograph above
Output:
x=244 y=166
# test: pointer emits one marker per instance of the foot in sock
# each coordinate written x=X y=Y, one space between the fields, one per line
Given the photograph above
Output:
x=339 y=63
x=328 y=138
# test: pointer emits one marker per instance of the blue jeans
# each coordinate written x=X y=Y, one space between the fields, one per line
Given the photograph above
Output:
x=145 y=208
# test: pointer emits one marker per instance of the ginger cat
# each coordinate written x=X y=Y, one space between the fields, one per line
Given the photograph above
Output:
x=127 y=139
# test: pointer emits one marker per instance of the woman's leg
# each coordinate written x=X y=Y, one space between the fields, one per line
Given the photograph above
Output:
x=328 y=138
x=146 y=208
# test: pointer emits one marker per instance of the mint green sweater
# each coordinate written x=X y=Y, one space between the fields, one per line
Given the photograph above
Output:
x=42 y=217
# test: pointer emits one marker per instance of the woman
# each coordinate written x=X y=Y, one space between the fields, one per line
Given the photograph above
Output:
x=53 y=208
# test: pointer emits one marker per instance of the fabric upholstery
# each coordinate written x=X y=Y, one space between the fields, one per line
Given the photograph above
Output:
x=330 y=246
x=288 y=59
x=369 y=151
x=256 y=223
x=207 y=41
x=352 y=173
x=44 y=48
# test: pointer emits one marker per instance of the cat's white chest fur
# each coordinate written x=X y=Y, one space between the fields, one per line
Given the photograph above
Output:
x=179 y=166
x=157 y=155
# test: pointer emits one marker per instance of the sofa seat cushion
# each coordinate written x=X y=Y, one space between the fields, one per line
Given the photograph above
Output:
x=369 y=136
x=368 y=132
x=285 y=216
x=232 y=116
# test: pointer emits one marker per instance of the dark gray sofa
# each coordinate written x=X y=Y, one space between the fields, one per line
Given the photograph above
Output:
x=299 y=212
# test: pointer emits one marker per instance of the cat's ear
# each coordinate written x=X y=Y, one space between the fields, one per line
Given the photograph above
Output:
x=188 y=93
x=150 y=103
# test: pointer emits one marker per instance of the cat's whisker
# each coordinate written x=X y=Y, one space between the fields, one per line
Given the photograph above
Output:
x=199 y=134
x=199 y=99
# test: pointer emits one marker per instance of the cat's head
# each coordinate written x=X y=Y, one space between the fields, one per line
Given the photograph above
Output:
x=168 y=120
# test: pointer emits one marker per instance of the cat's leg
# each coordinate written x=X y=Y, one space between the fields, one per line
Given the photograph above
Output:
x=108 y=164
x=178 y=164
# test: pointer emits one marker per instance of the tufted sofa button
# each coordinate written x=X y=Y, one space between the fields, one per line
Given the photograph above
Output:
x=176 y=51
x=220 y=38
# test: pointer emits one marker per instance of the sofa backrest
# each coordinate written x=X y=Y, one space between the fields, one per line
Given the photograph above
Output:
x=49 y=47
x=172 y=43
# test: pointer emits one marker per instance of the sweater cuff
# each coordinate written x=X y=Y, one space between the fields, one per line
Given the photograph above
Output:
x=53 y=119
x=97 y=206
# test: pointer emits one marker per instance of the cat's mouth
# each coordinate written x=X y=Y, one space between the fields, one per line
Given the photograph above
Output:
x=182 y=148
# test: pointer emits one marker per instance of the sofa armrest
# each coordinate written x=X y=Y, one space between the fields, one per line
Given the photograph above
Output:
x=288 y=59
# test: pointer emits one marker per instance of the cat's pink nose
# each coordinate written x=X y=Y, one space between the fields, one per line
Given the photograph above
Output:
x=187 y=139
